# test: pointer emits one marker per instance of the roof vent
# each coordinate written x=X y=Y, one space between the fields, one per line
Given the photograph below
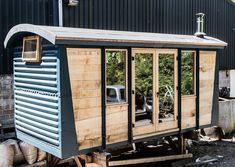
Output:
x=200 y=25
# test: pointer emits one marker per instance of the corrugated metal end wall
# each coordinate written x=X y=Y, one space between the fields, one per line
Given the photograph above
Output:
x=163 y=16
x=37 y=97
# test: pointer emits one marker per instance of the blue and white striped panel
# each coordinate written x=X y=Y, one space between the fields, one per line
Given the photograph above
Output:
x=37 y=97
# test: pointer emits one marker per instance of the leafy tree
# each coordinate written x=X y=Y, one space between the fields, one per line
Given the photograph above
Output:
x=115 y=72
x=115 y=67
x=166 y=83
x=187 y=73
x=166 y=72
x=143 y=74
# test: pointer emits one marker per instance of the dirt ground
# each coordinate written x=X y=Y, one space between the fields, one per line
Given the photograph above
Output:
x=223 y=150
x=221 y=153
x=218 y=153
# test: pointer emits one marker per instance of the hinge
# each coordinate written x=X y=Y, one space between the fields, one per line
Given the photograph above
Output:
x=133 y=58
x=157 y=94
x=133 y=92
x=177 y=87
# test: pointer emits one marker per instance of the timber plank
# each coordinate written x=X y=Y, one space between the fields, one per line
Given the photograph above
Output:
x=82 y=103
x=207 y=70
x=93 y=165
x=117 y=127
x=85 y=78
x=86 y=113
x=88 y=132
x=188 y=112
x=149 y=160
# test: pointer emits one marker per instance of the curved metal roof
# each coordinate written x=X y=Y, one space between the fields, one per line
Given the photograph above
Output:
x=76 y=36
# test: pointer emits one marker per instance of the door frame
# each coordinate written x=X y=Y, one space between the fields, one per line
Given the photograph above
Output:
x=171 y=124
x=151 y=128
x=155 y=126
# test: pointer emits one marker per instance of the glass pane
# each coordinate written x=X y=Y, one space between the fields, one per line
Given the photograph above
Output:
x=116 y=76
x=166 y=87
x=187 y=73
x=144 y=88
x=30 y=45
x=30 y=48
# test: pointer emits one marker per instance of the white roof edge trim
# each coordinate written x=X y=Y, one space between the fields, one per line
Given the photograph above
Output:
x=48 y=35
x=54 y=34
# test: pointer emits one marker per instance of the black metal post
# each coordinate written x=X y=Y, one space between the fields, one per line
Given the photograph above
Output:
x=197 y=88
x=179 y=90
x=130 y=137
x=103 y=98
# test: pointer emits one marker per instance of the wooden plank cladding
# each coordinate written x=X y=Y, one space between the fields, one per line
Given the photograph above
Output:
x=85 y=78
x=207 y=73
x=188 y=112
x=117 y=123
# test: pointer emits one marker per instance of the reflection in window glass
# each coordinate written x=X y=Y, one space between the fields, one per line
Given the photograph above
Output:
x=30 y=45
x=144 y=88
x=30 y=48
x=122 y=91
x=166 y=92
x=187 y=73
x=115 y=76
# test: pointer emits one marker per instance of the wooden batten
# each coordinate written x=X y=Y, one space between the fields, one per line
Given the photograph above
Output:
x=148 y=160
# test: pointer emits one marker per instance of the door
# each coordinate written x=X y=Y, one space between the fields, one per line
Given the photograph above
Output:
x=154 y=90
x=166 y=89
x=143 y=99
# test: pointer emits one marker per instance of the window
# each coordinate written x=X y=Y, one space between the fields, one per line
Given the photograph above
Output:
x=31 y=49
x=116 y=76
x=188 y=70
